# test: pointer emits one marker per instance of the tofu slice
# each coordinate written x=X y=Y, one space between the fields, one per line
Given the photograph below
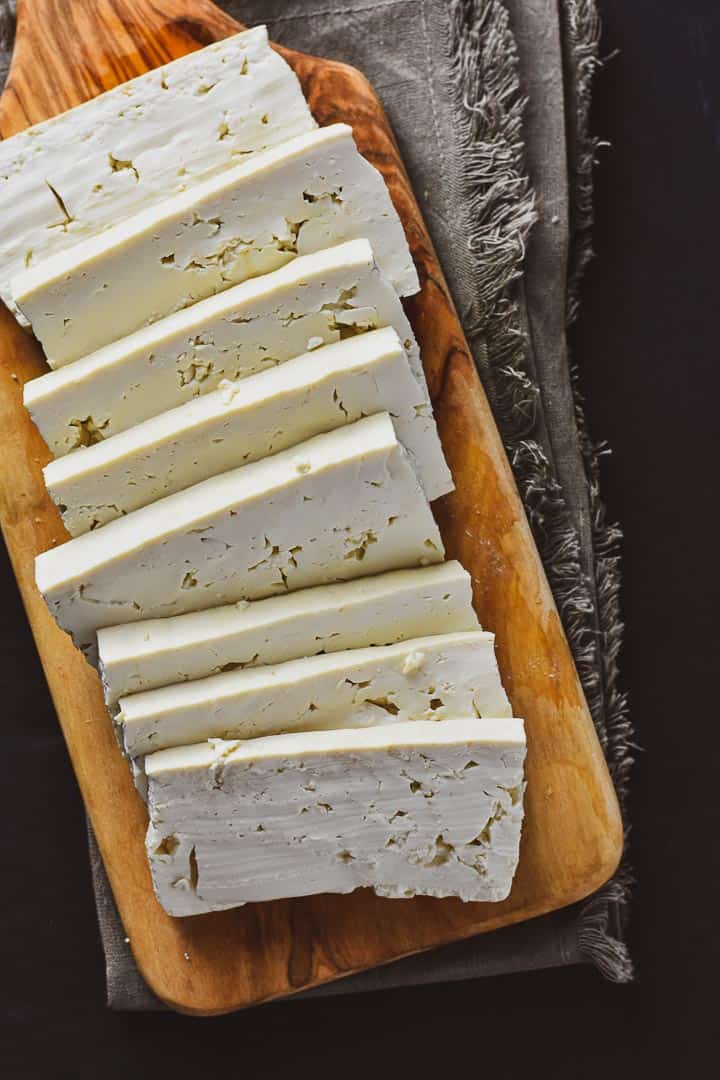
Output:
x=377 y=610
x=309 y=193
x=75 y=175
x=313 y=300
x=246 y=421
x=339 y=506
x=430 y=678
x=418 y=809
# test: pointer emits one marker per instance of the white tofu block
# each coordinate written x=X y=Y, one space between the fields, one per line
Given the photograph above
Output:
x=379 y=610
x=75 y=175
x=307 y=194
x=313 y=300
x=249 y=420
x=414 y=809
x=431 y=678
x=339 y=506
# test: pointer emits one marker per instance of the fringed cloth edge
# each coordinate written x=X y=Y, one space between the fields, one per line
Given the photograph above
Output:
x=7 y=23
x=500 y=210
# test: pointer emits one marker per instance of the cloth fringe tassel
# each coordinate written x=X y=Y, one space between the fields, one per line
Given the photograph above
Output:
x=501 y=213
x=581 y=38
x=7 y=23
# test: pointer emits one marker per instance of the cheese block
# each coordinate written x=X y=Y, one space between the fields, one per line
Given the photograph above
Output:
x=377 y=610
x=336 y=507
x=245 y=421
x=75 y=175
x=302 y=196
x=314 y=300
x=429 y=678
x=414 y=809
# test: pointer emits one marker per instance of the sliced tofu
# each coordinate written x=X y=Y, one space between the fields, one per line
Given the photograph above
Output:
x=75 y=175
x=414 y=809
x=249 y=420
x=339 y=506
x=307 y=194
x=431 y=678
x=378 y=610
x=314 y=300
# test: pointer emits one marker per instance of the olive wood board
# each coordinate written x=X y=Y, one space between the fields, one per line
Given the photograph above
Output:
x=572 y=836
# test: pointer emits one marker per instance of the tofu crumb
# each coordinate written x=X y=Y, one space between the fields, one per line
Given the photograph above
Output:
x=413 y=663
x=227 y=390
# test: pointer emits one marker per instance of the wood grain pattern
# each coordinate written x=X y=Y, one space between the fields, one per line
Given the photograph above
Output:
x=65 y=54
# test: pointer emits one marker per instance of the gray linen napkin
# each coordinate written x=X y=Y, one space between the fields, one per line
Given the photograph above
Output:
x=489 y=102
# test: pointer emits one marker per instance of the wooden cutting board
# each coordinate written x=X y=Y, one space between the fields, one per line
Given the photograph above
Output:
x=572 y=838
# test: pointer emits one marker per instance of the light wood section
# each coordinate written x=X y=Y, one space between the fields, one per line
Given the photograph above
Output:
x=572 y=837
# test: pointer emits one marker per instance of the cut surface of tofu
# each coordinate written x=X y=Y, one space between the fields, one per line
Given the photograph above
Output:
x=310 y=193
x=377 y=610
x=75 y=175
x=414 y=809
x=313 y=300
x=431 y=678
x=339 y=506
x=246 y=421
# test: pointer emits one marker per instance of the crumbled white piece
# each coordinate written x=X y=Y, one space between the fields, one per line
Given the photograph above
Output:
x=257 y=531
x=309 y=193
x=380 y=610
x=249 y=328
x=357 y=688
x=79 y=173
x=413 y=662
x=414 y=809
x=248 y=420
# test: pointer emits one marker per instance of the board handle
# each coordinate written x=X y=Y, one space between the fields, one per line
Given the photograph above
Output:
x=70 y=52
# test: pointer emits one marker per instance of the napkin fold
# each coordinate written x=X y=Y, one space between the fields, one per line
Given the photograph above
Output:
x=489 y=101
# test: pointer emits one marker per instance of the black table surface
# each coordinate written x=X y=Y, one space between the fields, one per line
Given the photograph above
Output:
x=647 y=344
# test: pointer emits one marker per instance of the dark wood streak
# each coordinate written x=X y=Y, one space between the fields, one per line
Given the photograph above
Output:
x=196 y=33
x=94 y=83
x=571 y=838
x=18 y=107
x=443 y=373
x=302 y=946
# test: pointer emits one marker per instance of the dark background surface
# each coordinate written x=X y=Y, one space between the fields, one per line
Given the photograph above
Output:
x=647 y=344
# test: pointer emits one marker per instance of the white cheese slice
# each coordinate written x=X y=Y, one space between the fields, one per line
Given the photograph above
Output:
x=339 y=506
x=249 y=420
x=377 y=610
x=251 y=327
x=429 y=678
x=75 y=175
x=309 y=193
x=414 y=809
